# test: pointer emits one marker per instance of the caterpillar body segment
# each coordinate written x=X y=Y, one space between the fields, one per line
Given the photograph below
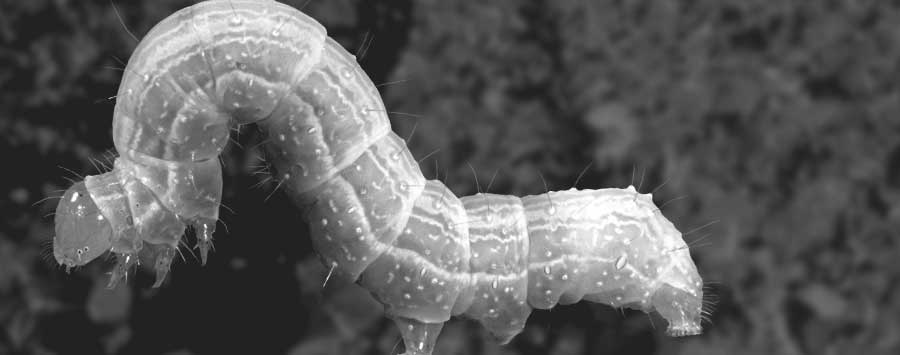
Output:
x=360 y=212
x=499 y=244
x=425 y=275
x=421 y=251
x=610 y=246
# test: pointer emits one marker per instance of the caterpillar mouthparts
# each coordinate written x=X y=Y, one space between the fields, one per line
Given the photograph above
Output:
x=423 y=252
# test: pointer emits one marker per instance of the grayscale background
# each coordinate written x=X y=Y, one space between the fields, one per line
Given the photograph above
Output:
x=776 y=119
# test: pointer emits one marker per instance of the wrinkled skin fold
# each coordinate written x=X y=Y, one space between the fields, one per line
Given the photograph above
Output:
x=423 y=252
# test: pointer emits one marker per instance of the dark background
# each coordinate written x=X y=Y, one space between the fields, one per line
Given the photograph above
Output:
x=778 y=119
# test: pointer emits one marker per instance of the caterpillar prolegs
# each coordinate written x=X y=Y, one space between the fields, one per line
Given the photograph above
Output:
x=421 y=251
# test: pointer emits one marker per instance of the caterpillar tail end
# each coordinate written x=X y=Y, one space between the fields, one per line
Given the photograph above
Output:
x=681 y=308
x=124 y=261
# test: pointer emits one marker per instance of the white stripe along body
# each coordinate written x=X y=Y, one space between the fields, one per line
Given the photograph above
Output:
x=424 y=253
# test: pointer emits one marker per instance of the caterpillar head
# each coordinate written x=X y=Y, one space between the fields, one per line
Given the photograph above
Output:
x=82 y=232
x=679 y=297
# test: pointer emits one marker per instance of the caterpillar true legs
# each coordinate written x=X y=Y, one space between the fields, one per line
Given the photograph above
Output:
x=424 y=253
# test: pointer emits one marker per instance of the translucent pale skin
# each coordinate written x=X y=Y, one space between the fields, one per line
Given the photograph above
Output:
x=424 y=253
x=82 y=233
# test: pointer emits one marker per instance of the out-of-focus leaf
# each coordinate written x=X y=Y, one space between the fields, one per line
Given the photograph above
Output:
x=827 y=303
x=108 y=306
x=115 y=341
x=21 y=326
x=322 y=345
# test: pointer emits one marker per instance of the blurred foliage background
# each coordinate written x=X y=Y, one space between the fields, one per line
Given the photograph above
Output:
x=779 y=120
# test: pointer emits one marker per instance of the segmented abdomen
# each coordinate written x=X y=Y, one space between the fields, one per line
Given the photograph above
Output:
x=264 y=62
x=423 y=252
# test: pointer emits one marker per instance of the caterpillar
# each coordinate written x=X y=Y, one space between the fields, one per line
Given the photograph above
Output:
x=421 y=251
